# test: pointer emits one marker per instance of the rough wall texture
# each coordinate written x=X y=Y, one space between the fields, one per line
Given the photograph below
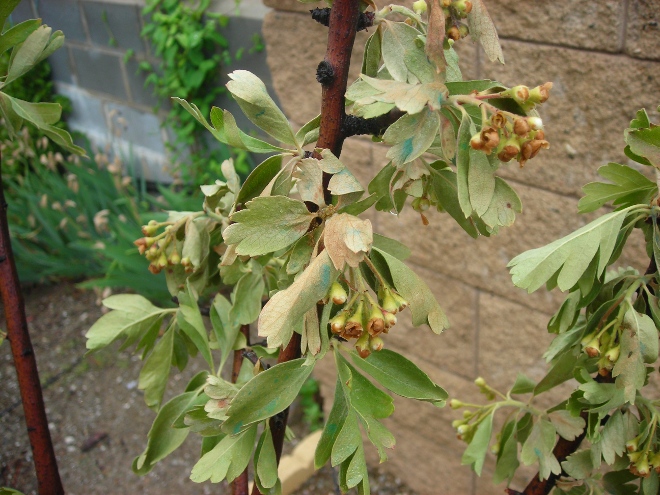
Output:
x=604 y=58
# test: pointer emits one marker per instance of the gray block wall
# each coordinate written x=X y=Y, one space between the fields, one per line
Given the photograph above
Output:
x=98 y=70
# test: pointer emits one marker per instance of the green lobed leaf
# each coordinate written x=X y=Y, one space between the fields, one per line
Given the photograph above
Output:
x=538 y=448
x=251 y=95
x=405 y=60
x=523 y=384
x=409 y=98
x=425 y=309
x=401 y=376
x=569 y=257
x=267 y=394
x=227 y=459
x=645 y=142
x=629 y=188
x=567 y=426
x=579 y=464
x=268 y=224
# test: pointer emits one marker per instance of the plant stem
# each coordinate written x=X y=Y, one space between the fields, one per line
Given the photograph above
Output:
x=341 y=36
x=45 y=463
x=240 y=485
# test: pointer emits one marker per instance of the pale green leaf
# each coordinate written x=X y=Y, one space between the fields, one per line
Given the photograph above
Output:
x=227 y=459
x=523 y=384
x=629 y=187
x=613 y=438
x=190 y=321
x=17 y=34
x=409 y=98
x=251 y=95
x=268 y=224
x=483 y=30
x=372 y=55
x=579 y=464
x=259 y=178
x=411 y=136
x=465 y=132
x=503 y=206
x=569 y=257
x=568 y=426
x=156 y=370
x=645 y=142
x=265 y=461
x=446 y=191
x=310 y=181
x=481 y=181
x=347 y=441
x=391 y=246
x=425 y=309
x=475 y=453
x=309 y=133
x=246 y=298
x=286 y=309
x=401 y=376
x=267 y=394
x=162 y=438
x=333 y=425
x=28 y=53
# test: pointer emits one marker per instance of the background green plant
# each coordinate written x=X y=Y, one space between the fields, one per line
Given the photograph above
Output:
x=191 y=50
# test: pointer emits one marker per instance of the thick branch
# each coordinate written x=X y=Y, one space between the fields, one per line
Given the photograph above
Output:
x=322 y=16
x=48 y=476
x=355 y=126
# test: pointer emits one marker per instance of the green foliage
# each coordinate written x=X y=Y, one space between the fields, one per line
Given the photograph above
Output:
x=608 y=325
x=185 y=37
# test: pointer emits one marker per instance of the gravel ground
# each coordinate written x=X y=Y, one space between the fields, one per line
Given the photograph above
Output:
x=93 y=400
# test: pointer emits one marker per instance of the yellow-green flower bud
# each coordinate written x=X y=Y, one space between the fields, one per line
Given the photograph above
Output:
x=175 y=258
x=376 y=323
x=362 y=345
x=593 y=348
x=376 y=344
x=419 y=7
x=390 y=320
x=338 y=322
x=353 y=327
x=455 y=404
x=338 y=293
x=612 y=354
x=389 y=304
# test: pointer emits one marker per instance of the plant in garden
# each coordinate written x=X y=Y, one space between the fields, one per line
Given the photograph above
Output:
x=606 y=339
x=30 y=43
x=191 y=50
x=287 y=250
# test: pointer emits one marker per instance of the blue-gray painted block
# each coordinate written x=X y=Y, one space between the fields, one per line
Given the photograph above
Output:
x=141 y=94
x=99 y=71
x=116 y=25
x=22 y=12
x=61 y=66
x=134 y=126
x=87 y=111
x=63 y=15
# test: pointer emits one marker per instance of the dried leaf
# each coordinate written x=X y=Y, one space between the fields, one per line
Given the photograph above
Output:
x=435 y=36
x=347 y=238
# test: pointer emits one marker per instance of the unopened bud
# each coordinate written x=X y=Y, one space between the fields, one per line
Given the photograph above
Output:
x=420 y=204
x=463 y=7
x=186 y=261
x=540 y=94
x=376 y=344
x=612 y=355
x=162 y=260
x=389 y=304
x=362 y=345
x=510 y=150
x=518 y=93
x=390 y=320
x=175 y=258
x=632 y=445
x=401 y=302
x=353 y=327
x=476 y=142
x=376 y=323
x=154 y=268
x=480 y=382
x=419 y=7
x=535 y=123
x=338 y=293
x=453 y=33
x=338 y=322
x=593 y=348
x=463 y=29
x=455 y=404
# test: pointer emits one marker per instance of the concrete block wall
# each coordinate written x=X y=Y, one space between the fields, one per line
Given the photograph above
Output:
x=604 y=60
x=98 y=70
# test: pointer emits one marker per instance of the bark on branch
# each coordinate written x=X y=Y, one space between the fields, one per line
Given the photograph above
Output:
x=48 y=476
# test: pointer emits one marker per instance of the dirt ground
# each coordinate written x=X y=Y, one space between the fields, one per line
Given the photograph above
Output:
x=96 y=397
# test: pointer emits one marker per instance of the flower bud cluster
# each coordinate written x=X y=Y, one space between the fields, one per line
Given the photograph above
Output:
x=643 y=460
x=605 y=346
x=466 y=427
x=363 y=318
x=455 y=11
x=520 y=137
x=529 y=98
x=161 y=249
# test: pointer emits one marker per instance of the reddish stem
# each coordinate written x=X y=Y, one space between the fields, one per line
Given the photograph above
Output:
x=48 y=476
x=240 y=485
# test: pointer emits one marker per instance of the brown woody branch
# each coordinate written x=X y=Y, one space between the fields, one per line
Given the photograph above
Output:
x=45 y=463
x=342 y=23
x=240 y=485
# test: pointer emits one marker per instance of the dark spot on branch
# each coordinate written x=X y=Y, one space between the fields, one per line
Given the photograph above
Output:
x=355 y=126
x=2 y=258
x=308 y=154
x=322 y=16
x=325 y=72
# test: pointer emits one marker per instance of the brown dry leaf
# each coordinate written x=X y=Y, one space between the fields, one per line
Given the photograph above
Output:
x=311 y=336
x=435 y=37
x=347 y=238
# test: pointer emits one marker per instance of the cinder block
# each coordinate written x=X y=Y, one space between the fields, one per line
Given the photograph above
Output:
x=141 y=94
x=115 y=25
x=593 y=100
x=293 y=61
x=643 y=32
x=65 y=16
x=87 y=113
x=590 y=25
x=139 y=128
x=60 y=65
x=99 y=71
x=22 y=12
